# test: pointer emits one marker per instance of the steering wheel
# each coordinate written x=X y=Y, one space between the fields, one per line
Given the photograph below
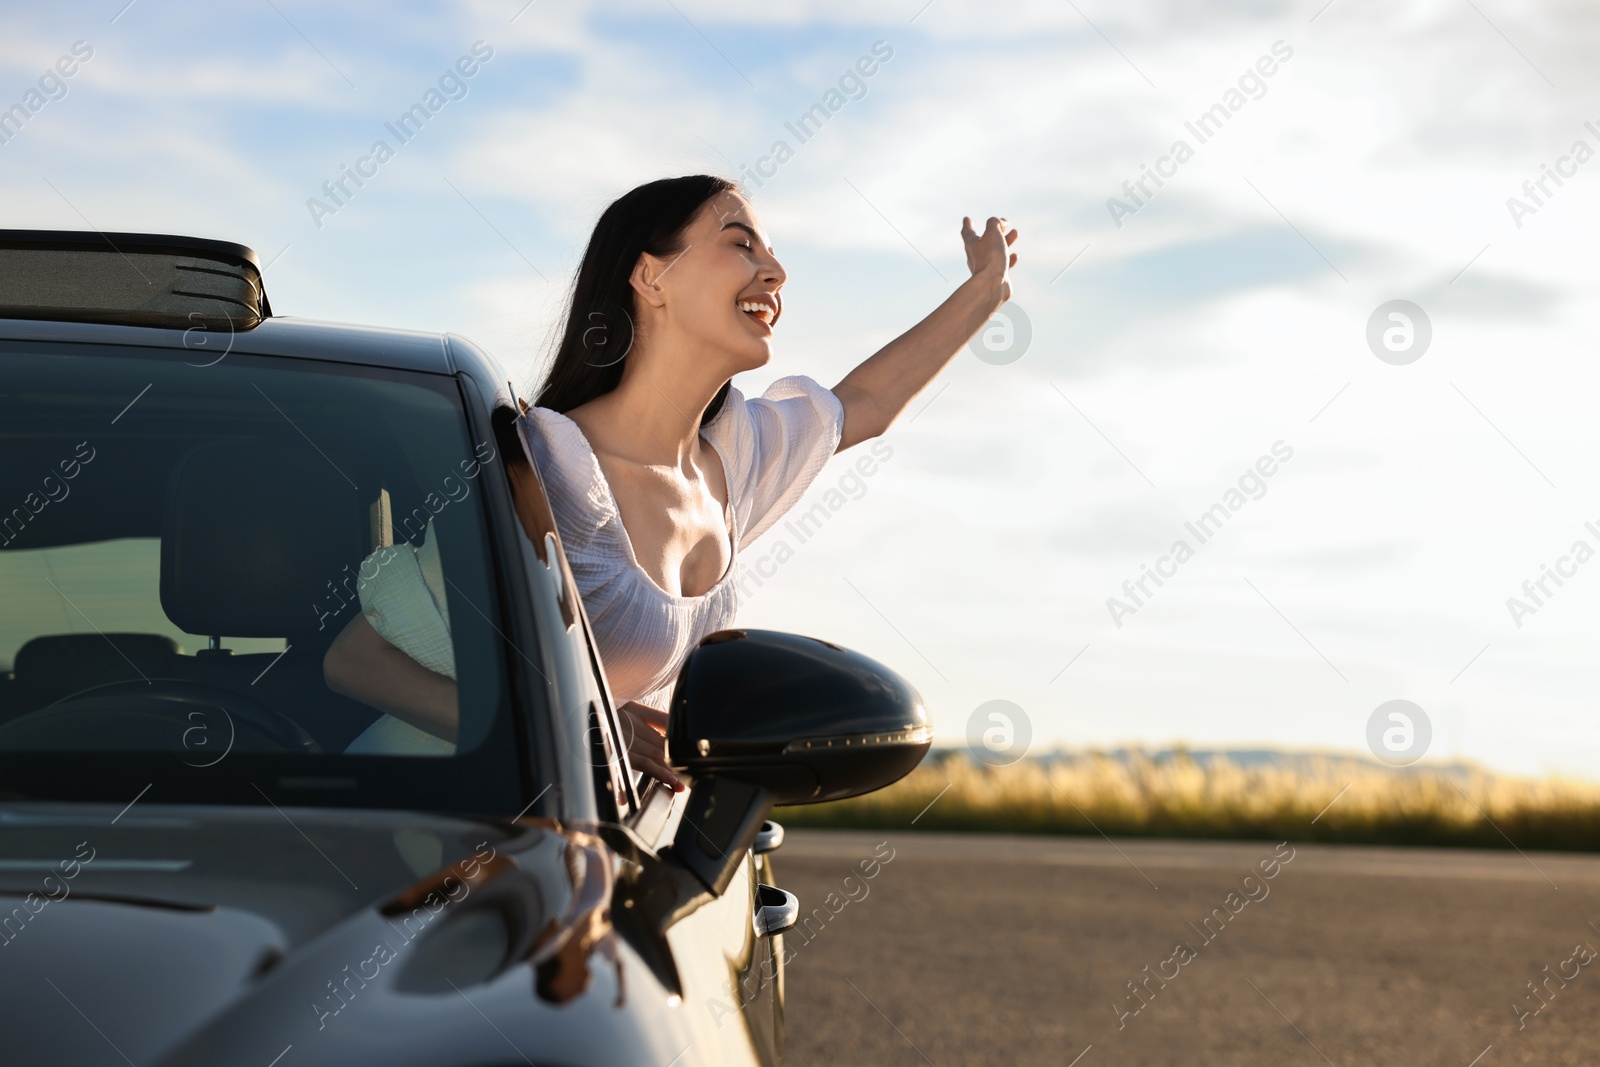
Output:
x=201 y=721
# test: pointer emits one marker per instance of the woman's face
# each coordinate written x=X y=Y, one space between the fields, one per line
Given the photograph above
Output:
x=726 y=265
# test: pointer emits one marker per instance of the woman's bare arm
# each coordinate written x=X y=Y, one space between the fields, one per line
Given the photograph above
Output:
x=876 y=392
x=360 y=664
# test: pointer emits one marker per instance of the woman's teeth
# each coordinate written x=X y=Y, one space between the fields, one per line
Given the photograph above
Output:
x=758 y=309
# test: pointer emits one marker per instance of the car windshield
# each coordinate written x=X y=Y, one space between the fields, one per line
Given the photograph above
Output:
x=181 y=541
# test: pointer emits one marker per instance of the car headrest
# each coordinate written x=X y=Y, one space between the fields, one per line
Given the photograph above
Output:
x=58 y=664
x=255 y=531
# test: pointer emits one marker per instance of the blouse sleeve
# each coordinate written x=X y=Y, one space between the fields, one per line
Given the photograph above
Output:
x=775 y=446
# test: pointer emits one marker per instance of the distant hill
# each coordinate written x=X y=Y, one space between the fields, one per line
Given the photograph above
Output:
x=1303 y=761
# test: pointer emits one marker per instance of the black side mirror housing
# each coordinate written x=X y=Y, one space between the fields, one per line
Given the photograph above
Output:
x=761 y=718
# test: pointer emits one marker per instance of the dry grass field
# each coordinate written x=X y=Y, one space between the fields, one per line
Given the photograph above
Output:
x=1329 y=799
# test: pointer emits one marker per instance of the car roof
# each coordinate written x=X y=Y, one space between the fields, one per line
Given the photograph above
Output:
x=277 y=336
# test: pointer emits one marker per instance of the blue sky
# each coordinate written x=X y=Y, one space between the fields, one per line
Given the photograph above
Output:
x=1228 y=313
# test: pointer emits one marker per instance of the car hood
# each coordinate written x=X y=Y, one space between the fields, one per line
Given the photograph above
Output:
x=178 y=935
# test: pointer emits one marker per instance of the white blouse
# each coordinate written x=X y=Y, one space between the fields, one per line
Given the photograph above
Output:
x=772 y=448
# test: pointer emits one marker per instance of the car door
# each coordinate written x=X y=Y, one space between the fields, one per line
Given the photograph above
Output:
x=730 y=975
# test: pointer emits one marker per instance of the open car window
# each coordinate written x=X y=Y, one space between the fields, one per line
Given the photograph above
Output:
x=180 y=546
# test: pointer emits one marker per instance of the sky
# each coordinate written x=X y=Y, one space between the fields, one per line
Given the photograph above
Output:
x=1168 y=345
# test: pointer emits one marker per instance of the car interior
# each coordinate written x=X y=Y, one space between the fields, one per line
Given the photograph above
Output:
x=203 y=552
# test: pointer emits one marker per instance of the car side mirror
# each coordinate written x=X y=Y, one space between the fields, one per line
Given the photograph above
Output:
x=760 y=718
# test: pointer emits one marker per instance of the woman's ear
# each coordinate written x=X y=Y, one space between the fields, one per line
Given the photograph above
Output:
x=646 y=279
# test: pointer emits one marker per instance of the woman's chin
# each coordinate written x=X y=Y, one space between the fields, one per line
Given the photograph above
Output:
x=755 y=357
x=736 y=355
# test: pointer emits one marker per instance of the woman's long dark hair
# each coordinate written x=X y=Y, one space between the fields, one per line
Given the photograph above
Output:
x=601 y=312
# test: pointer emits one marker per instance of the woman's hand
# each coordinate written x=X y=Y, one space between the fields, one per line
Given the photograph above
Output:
x=989 y=253
x=645 y=730
x=875 y=393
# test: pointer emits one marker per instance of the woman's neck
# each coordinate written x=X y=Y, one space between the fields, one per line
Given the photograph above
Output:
x=651 y=417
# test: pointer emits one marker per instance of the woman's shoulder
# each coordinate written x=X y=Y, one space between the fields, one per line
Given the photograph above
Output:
x=547 y=428
x=796 y=404
x=572 y=478
x=559 y=447
x=775 y=444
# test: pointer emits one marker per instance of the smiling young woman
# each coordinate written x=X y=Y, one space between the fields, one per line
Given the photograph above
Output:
x=660 y=471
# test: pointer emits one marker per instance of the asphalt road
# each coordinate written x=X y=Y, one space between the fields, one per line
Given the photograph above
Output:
x=967 y=949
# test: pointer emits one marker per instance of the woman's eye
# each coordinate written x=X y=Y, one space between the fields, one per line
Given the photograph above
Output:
x=745 y=244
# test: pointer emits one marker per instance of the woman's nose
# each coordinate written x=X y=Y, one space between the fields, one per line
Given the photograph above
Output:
x=772 y=271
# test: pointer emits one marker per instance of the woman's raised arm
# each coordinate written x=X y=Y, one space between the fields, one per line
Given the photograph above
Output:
x=876 y=392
